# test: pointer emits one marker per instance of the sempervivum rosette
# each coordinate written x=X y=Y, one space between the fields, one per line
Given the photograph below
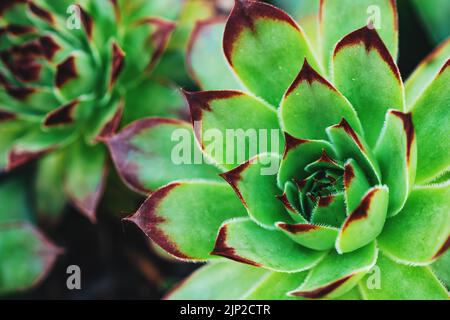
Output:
x=361 y=188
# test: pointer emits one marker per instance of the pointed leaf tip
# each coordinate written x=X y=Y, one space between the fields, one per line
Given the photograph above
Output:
x=372 y=41
x=243 y=16
x=308 y=74
x=221 y=248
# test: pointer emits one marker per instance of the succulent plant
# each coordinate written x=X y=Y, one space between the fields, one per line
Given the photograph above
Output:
x=359 y=205
x=71 y=73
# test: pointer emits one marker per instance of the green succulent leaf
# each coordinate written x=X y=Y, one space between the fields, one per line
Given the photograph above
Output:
x=153 y=98
x=441 y=269
x=219 y=280
x=330 y=211
x=402 y=282
x=15 y=204
x=26 y=256
x=258 y=190
x=152 y=152
x=275 y=285
x=33 y=144
x=84 y=178
x=339 y=18
x=311 y=236
x=206 y=61
x=366 y=74
x=349 y=145
x=216 y=114
x=298 y=153
x=431 y=118
x=420 y=233
x=336 y=274
x=140 y=56
x=355 y=185
x=312 y=104
x=396 y=152
x=366 y=222
x=50 y=197
x=434 y=14
x=424 y=74
x=244 y=241
x=266 y=48
x=199 y=206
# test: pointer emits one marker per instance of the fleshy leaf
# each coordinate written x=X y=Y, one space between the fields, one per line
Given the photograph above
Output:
x=366 y=222
x=435 y=16
x=266 y=48
x=206 y=61
x=431 y=118
x=200 y=207
x=50 y=197
x=258 y=189
x=85 y=176
x=425 y=73
x=355 y=185
x=26 y=257
x=244 y=241
x=312 y=104
x=349 y=145
x=216 y=114
x=441 y=269
x=153 y=98
x=310 y=236
x=275 y=286
x=368 y=77
x=144 y=44
x=401 y=282
x=420 y=233
x=336 y=274
x=152 y=152
x=15 y=200
x=34 y=144
x=329 y=211
x=218 y=280
x=339 y=18
x=298 y=153
x=396 y=152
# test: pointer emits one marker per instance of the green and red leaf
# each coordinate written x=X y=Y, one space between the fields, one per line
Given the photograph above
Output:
x=258 y=190
x=218 y=280
x=244 y=241
x=431 y=118
x=266 y=48
x=337 y=273
x=198 y=206
x=311 y=104
x=206 y=61
x=366 y=74
x=402 y=282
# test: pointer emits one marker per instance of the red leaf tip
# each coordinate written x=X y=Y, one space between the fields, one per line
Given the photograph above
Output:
x=309 y=75
x=372 y=41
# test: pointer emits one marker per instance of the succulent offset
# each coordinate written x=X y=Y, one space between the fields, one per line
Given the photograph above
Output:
x=362 y=187
x=71 y=73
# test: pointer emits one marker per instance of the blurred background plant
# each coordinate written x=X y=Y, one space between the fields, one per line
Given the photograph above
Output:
x=71 y=73
x=43 y=192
